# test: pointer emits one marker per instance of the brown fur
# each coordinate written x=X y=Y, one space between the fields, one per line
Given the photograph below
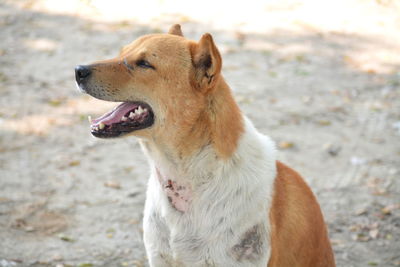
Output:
x=298 y=233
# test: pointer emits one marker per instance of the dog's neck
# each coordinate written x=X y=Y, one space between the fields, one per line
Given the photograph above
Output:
x=213 y=138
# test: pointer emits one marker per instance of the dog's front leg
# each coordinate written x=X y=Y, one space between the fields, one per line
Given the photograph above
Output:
x=158 y=261
x=155 y=236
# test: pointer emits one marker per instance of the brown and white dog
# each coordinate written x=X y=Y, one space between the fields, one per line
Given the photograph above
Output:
x=217 y=196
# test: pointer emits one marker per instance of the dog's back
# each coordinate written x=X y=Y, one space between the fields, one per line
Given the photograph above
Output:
x=298 y=233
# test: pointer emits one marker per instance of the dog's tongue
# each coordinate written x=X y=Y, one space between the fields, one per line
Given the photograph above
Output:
x=116 y=114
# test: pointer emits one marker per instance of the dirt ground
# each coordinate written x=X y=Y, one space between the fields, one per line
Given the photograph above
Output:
x=321 y=78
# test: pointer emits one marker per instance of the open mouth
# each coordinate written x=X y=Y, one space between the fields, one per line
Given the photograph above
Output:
x=125 y=118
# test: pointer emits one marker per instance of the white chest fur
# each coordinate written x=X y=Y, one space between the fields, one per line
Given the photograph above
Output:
x=225 y=219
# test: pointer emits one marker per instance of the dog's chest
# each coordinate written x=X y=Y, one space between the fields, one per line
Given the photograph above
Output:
x=205 y=232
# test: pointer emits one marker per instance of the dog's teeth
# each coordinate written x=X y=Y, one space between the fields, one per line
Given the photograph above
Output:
x=123 y=118
x=137 y=112
x=89 y=119
x=131 y=115
x=101 y=126
x=145 y=110
x=140 y=110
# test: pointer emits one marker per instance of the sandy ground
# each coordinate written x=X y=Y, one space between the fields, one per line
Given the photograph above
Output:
x=320 y=77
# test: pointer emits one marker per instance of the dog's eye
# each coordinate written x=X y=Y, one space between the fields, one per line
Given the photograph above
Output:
x=144 y=64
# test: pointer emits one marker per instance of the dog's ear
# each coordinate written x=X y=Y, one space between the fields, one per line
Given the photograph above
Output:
x=176 y=30
x=207 y=63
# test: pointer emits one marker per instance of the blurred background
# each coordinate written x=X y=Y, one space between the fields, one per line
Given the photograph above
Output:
x=321 y=78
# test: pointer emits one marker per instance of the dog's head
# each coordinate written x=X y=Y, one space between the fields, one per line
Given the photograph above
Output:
x=162 y=80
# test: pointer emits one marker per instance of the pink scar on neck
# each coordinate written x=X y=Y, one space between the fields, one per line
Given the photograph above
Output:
x=178 y=195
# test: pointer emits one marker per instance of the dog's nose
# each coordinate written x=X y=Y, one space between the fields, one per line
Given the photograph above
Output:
x=81 y=73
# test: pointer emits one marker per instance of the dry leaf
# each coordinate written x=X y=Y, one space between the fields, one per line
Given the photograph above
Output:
x=388 y=209
x=361 y=237
x=112 y=184
x=65 y=238
x=336 y=242
x=362 y=211
x=285 y=145
x=55 y=102
x=374 y=233
x=74 y=163
x=324 y=122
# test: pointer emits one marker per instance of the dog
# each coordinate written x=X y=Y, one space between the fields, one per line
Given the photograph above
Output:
x=216 y=196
